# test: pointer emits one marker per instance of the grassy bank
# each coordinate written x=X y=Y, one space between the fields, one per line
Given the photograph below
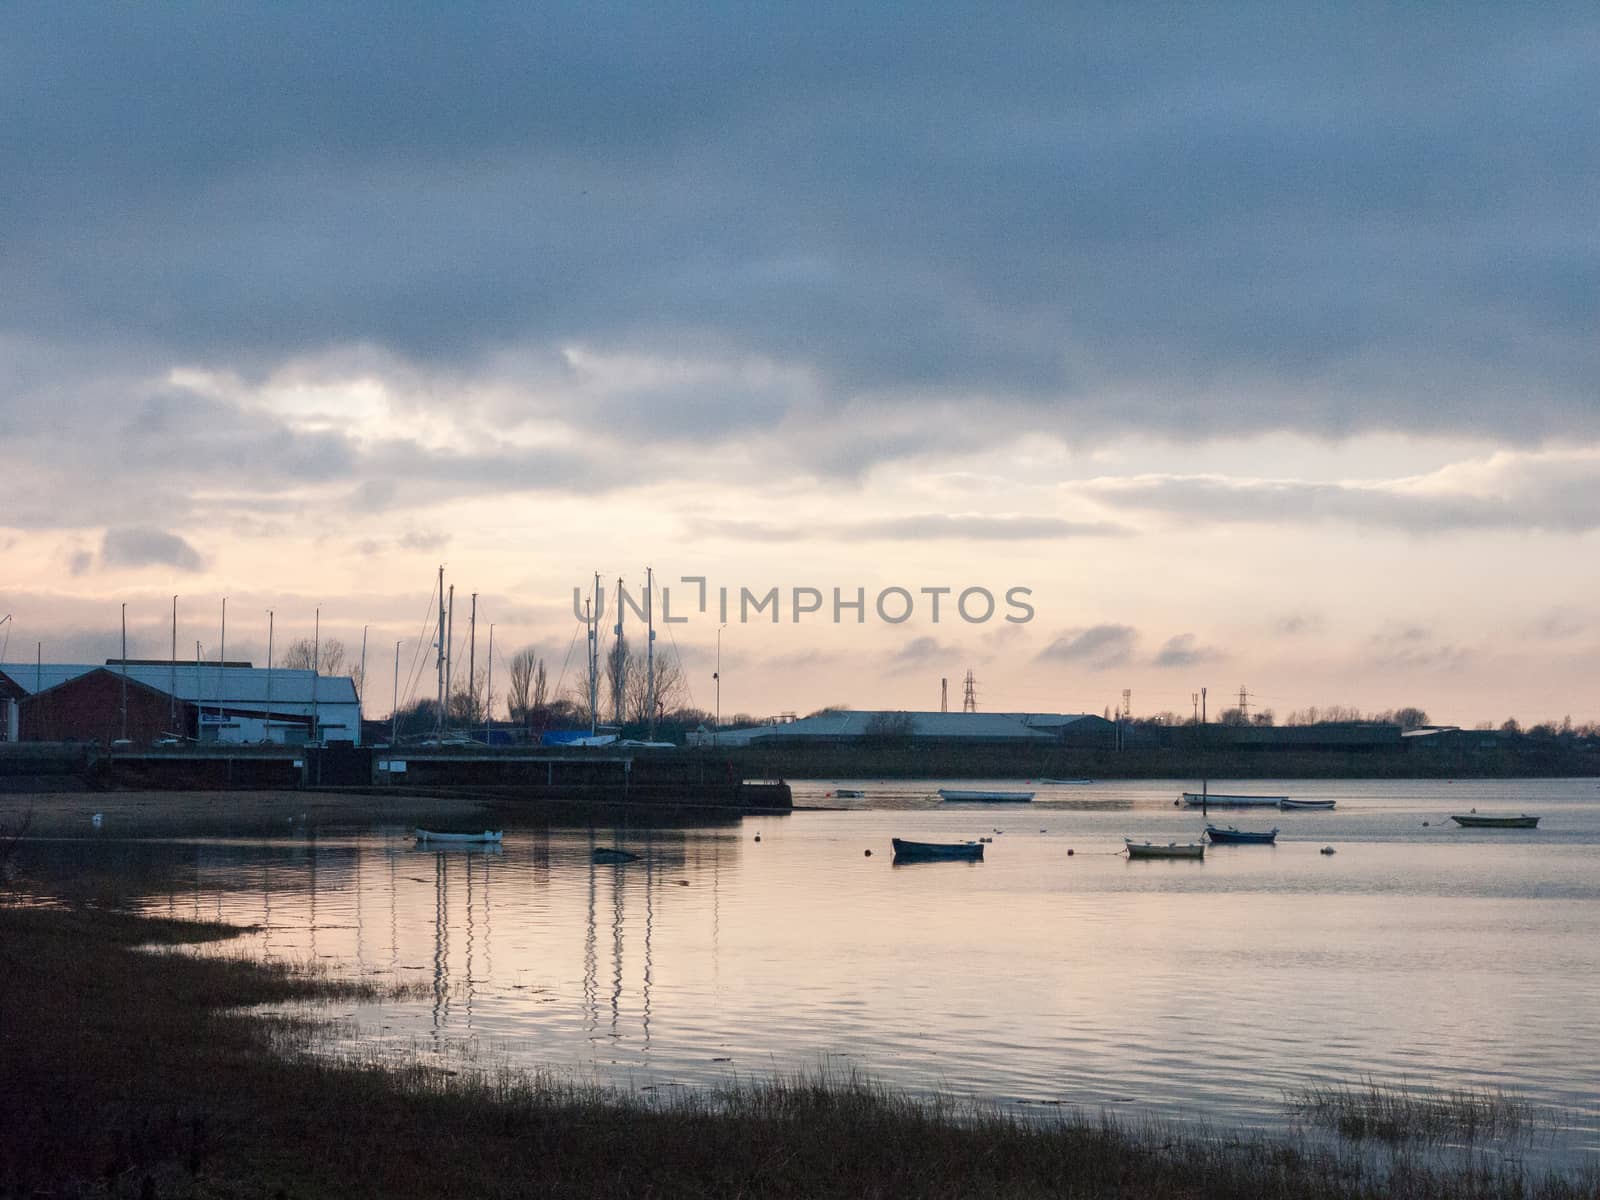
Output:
x=131 y=1073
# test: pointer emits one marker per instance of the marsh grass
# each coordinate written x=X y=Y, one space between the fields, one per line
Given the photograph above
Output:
x=1397 y=1114
x=129 y=1073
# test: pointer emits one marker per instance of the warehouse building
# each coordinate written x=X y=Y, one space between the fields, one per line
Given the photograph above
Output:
x=852 y=727
x=149 y=702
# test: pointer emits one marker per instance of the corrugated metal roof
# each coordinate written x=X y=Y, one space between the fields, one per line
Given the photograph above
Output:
x=1017 y=726
x=203 y=684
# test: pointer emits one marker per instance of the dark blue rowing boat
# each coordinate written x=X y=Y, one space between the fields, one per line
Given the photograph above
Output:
x=1242 y=837
x=937 y=851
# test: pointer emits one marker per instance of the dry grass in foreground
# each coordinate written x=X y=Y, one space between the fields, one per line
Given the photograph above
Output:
x=132 y=1074
x=1369 y=1109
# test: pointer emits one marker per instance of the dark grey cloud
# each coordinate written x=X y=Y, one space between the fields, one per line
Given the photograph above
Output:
x=921 y=653
x=912 y=528
x=1184 y=651
x=1297 y=623
x=1563 y=622
x=1557 y=491
x=1409 y=647
x=1098 y=647
x=1327 y=219
x=148 y=548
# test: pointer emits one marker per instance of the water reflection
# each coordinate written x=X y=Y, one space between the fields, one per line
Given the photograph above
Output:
x=1032 y=977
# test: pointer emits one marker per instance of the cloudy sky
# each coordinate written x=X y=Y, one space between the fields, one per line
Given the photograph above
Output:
x=1259 y=344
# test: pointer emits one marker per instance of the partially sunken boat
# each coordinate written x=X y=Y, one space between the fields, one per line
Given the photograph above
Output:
x=905 y=851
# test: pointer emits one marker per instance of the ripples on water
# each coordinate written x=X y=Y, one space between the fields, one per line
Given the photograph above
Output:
x=1420 y=953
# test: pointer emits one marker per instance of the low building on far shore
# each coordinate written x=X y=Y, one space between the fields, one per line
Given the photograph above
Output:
x=149 y=702
x=852 y=727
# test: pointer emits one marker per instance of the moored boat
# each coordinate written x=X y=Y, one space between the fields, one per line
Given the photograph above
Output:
x=1290 y=805
x=959 y=794
x=432 y=835
x=849 y=793
x=1495 y=820
x=1242 y=837
x=1065 y=782
x=611 y=854
x=1170 y=850
x=1230 y=800
x=905 y=851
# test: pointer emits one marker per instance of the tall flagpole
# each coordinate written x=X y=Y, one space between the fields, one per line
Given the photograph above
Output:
x=268 y=728
x=172 y=717
x=124 y=672
x=316 y=671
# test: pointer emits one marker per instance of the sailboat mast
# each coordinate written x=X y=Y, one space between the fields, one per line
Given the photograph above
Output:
x=472 y=657
x=172 y=715
x=650 y=649
x=450 y=653
x=439 y=666
x=619 y=674
x=592 y=612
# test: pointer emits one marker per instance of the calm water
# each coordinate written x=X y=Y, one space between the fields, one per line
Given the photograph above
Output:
x=1419 y=952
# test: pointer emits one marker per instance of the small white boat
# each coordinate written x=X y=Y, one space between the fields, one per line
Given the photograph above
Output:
x=1230 y=800
x=431 y=835
x=1289 y=805
x=849 y=793
x=1170 y=850
x=997 y=797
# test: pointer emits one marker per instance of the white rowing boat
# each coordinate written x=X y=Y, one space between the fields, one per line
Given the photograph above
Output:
x=1170 y=850
x=1230 y=800
x=488 y=836
x=994 y=797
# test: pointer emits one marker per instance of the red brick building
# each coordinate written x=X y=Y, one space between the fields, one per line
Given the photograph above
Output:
x=89 y=708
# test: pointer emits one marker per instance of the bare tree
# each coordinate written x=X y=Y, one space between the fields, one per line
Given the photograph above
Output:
x=671 y=688
x=299 y=655
x=519 y=694
x=466 y=703
x=616 y=677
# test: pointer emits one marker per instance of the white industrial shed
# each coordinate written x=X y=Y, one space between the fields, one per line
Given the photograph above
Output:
x=975 y=727
x=236 y=702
